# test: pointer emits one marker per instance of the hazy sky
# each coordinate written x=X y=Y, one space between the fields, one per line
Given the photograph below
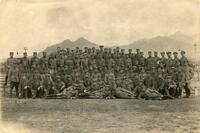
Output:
x=40 y=23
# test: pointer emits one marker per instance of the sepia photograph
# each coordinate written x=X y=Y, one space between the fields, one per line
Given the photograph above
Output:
x=99 y=66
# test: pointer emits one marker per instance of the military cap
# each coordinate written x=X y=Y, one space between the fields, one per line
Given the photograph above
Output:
x=162 y=52
x=155 y=52
x=137 y=49
x=11 y=52
x=175 y=53
x=182 y=52
x=122 y=50
x=130 y=50
x=25 y=53
x=101 y=46
x=117 y=48
x=168 y=52
x=110 y=49
x=85 y=47
x=93 y=48
x=149 y=52
x=34 y=52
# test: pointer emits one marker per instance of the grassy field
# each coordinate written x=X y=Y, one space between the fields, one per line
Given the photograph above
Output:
x=100 y=116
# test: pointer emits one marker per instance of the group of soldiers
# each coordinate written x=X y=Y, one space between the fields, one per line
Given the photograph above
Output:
x=100 y=73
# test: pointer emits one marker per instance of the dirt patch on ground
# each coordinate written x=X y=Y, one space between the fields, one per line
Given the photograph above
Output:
x=97 y=116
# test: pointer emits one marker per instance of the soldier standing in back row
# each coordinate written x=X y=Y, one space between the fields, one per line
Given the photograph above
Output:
x=35 y=60
x=183 y=60
x=10 y=61
x=156 y=59
x=14 y=78
x=44 y=60
x=149 y=61
x=163 y=60
x=9 y=64
x=137 y=55
x=25 y=63
x=169 y=63
x=176 y=61
x=188 y=71
x=142 y=60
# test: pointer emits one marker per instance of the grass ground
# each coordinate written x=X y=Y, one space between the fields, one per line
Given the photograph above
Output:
x=99 y=116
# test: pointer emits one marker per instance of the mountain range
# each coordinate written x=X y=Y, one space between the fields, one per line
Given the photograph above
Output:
x=175 y=42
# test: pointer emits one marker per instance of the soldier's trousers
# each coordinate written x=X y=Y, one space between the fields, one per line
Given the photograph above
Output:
x=40 y=92
x=172 y=91
x=34 y=91
x=123 y=93
x=25 y=92
x=14 y=85
x=179 y=89
x=187 y=89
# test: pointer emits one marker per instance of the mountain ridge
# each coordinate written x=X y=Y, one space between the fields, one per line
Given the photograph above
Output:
x=175 y=42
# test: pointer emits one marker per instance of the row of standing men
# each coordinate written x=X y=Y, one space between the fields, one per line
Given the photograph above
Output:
x=89 y=71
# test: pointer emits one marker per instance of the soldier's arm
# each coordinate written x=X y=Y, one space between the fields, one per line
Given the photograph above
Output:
x=9 y=74
x=62 y=87
x=105 y=79
x=162 y=84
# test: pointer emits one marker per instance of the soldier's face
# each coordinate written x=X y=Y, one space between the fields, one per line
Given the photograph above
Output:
x=58 y=49
x=34 y=55
x=44 y=54
x=11 y=55
x=182 y=54
x=162 y=55
x=155 y=54
x=150 y=54
x=141 y=83
x=175 y=55
x=25 y=55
